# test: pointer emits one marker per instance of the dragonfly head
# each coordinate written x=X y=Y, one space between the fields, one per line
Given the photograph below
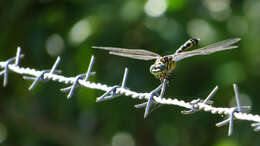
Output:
x=157 y=68
x=162 y=67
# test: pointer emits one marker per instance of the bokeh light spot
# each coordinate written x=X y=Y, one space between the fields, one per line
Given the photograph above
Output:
x=155 y=8
x=164 y=132
x=200 y=28
x=237 y=25
x=54 y=45
x=221 y=15
x=131 y=10
x=232 y=72
x=3 y=133
x=226 y=143
x=251 y=9
x=80 y=32
x=89 y=117
x=123 y=139
x=219 y=9
x=217 y=5
x=167 y=28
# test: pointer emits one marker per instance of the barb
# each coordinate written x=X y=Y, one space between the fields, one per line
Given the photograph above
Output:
x=150 y=102
x=79 y=77
x=41 y=75
x=88 y=74
x=18 y=55
x=112 y=91
x=152 y=97
x=229 y=120
x=8 y=62
x=36 y=80
x=256 y=126
x=195 y=102
x=232 y=111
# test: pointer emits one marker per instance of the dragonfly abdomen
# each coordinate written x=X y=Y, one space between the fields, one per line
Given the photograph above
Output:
x=190 y=43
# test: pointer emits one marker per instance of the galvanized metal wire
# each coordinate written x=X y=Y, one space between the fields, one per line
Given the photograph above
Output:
x=114 y=91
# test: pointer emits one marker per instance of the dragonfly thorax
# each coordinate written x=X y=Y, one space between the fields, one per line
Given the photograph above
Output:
x=163 y=67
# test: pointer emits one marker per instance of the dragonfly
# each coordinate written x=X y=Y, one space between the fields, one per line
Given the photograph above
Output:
x=165 y=65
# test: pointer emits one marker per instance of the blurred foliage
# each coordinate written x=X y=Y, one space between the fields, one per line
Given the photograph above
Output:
x=46 y=29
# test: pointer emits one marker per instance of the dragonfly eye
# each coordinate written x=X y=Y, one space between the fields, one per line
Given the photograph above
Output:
x=157 y=68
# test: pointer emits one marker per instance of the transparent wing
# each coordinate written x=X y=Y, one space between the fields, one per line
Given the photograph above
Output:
x=219 y=46
x=131 y=53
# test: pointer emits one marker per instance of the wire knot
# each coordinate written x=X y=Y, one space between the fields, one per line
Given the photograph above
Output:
x=112 y=91
x=83 y=77
x=194 y=103
x=40 y=77
x=15 y=60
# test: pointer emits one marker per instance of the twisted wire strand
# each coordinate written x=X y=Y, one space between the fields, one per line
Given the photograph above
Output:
x=200 y=106
x=135 y=95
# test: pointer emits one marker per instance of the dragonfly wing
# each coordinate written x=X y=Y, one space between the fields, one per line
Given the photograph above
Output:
x=131 y=53
x=140 y=57
x=219 y=46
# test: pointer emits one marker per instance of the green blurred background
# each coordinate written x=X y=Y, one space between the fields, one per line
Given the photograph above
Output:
x=46 y=29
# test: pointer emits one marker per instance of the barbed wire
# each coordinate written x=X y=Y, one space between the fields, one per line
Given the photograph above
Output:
x=153 y=98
